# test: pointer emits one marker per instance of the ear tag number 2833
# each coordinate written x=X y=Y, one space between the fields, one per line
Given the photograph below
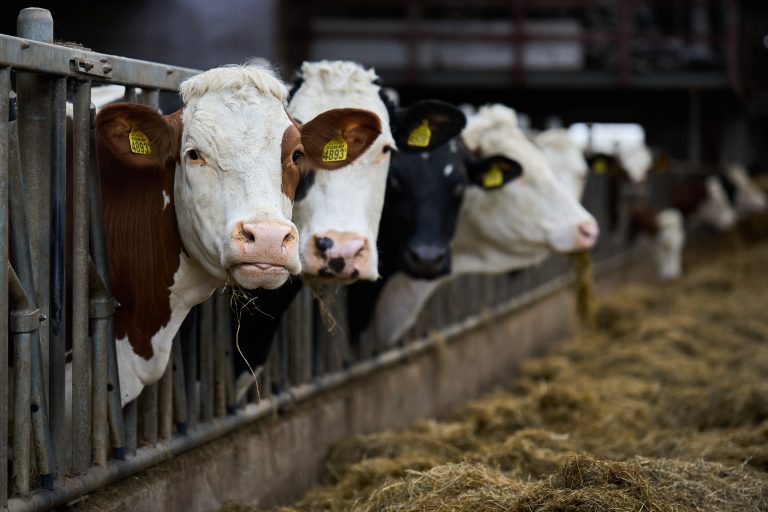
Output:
x=493 y=177
x=336 y=149
x=420 y=136
x=139 y=142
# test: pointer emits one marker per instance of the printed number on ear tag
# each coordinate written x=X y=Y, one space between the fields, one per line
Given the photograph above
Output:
x=139 y=142
x=420 y=136
x=336 y=149
x=599 y=166
x=493 y=177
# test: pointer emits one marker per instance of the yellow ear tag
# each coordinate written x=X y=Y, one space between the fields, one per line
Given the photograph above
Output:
x=139 y=142
x=493 y=177
x=599 y=166
x=420 y=135
x=336 y=149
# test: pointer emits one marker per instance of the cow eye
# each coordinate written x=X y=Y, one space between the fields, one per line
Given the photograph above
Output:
x=194 y=156
x=297 y=156
x=386 y=149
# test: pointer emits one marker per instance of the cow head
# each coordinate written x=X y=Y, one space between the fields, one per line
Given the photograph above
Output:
x=236 y=158
x=425 y=186
x=528 y=216
x=565 y=158
x=748 y=197
x=716 y=209
x=338 y=214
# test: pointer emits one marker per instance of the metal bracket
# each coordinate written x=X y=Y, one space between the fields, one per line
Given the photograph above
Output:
x=25 y=321
x=102 y=308
x=102 y=68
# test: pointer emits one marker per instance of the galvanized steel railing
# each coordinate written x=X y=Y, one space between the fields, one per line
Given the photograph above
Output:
x=194 y=401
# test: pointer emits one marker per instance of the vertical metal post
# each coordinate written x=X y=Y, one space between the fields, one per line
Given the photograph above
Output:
x=223 y=337
x=694 y=127
x=102 y=309
x=34 y=97
x=148 y=419
x=190 y=334
x=207 y=344
x=5 y=89
x=130 y=419
x=179 y=392
x=98 y=249
x=58 y=330
x=165 y=403
x=81 y=351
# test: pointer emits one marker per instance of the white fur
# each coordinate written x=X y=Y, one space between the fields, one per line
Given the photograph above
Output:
x=235 y=118
x=636 y=159
x=716 y=210
x=512 y=228
x=669 y=243
x=191 y=286
x=749 y=197
x=565 y=159
x=349 y=199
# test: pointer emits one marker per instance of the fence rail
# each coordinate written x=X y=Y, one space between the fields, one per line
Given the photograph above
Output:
x=58 y=450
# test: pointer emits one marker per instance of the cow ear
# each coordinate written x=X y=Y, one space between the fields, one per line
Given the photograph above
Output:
x=338 y=137
x=138 y=135
x=426 y=125
x=493 y=172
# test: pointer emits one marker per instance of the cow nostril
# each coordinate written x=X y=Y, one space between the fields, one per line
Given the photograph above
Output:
x=288 y=239
x=323 y=243
x=246 y=234
x=337 y=264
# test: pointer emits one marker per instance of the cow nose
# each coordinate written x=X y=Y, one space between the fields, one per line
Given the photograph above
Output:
x=271 y=243
x=587 y=234
x=428 y=254
x=339 y=255
x=426 y=261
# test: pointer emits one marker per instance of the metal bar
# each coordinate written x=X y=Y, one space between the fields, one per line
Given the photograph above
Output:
x=180 y=413
x=101 y=311
x=34 y=95
x=207 y=344
x=130 y=420
x=148 y=417
x=5 y=90
x=27 y=55
x=81 y=351
x=98 y=250
x=165 y=404
x=58 y=330
x=190 y=333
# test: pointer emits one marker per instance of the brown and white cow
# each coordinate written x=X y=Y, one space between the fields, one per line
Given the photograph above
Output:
x=203 y=197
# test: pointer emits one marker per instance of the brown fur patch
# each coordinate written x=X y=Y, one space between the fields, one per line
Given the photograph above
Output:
x=143 y=241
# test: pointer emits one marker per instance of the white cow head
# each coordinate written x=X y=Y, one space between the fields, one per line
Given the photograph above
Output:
x=716 y=210
x=670 y=239
x=338 y=213
x=565 y=159
x=749 y=198
x=238 y=161
x=528 y=217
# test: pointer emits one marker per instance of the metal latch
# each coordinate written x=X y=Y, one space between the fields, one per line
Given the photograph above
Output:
x=102 y=68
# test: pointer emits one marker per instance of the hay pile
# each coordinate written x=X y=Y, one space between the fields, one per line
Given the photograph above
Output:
x=663 y=407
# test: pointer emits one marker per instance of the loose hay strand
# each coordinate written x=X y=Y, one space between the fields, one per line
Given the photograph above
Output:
x=586 y=300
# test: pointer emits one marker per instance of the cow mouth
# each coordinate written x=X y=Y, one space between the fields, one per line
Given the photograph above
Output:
x=259 y=268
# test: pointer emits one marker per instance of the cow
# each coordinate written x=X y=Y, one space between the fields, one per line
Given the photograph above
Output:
x=331 y=213
x=565 y=158
x=203 y=197
x=746 y=197
x=516 y=226
x=425 y=190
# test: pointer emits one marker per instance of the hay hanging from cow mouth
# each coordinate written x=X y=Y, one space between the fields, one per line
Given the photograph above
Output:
x=586 y=300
